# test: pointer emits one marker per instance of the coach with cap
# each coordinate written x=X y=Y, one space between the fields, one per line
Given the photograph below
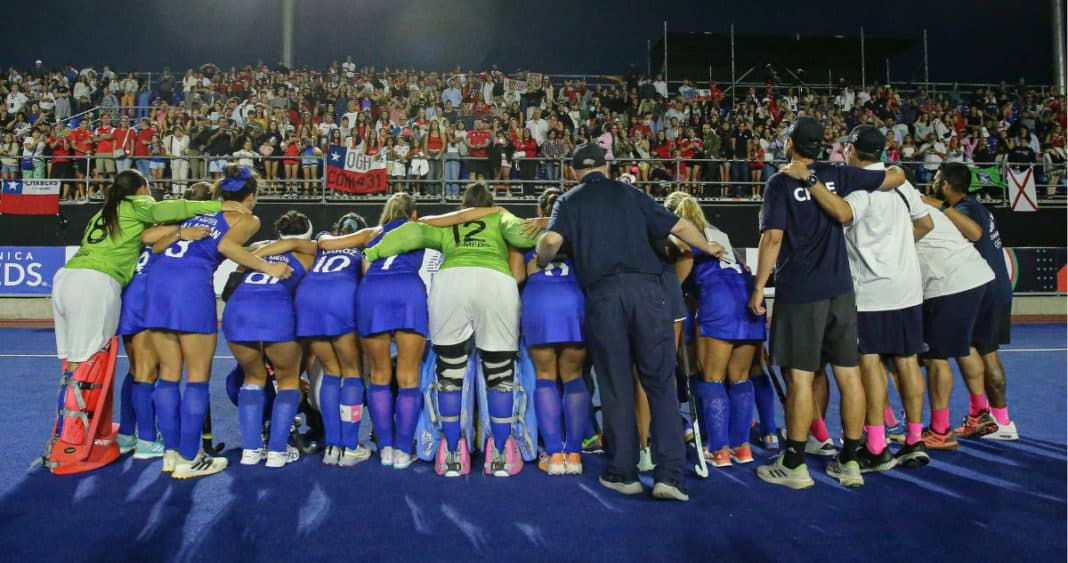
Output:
x=608 y=226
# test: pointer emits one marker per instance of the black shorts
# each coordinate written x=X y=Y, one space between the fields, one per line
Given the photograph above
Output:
x=891 y=333
x=805 y=336
x=81 y=165
x=63 y=170
x=478 y=166
x=949 y=323
x=993 y=324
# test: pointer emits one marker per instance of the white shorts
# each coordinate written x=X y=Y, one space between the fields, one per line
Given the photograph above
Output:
x=472 y=300
x=86 y=306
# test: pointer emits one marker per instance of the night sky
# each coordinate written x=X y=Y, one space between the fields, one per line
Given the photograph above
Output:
x=988 y=40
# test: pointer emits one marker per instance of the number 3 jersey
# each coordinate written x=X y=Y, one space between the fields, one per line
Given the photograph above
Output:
x=326 y=298
x=553 y=305
x=261 y=308
x=180 y=294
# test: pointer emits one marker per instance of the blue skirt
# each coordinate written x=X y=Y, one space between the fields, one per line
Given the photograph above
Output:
x=552 y=313
x=132 y=317
x=326 y=308
x=390 y=302
x=724 y=310
x=180 y=299
x=252 y=318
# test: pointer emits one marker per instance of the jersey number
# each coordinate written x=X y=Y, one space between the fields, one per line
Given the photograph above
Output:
x=178 y=249
x=142 y=261
x=470 y=237
x=389 y=262
x=331 y=264
x=561 y=269
x=97 y=234
x=260 y=278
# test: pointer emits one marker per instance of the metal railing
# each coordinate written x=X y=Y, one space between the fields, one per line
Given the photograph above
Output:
x=304 y=177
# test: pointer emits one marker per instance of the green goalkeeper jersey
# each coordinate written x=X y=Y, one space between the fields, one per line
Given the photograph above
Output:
x=482 y=243
x=117 y=255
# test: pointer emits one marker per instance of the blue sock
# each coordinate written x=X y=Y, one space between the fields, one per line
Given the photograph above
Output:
x=716 y=410
x=380 y=403
x=144 y=411
x=330 y=407
x=127 y=416
x=61 y=402
x=194 y=409
x=286 y=403
x=741 y=397
x=409 y=405
x=449 y=403
x=765 y=404
x=351 y=411
x=168 y=400
x=547 y=408
x=576 y=405
x=500 y=406
x=250 y=416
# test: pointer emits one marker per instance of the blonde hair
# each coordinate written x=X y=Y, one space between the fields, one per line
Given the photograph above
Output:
x=685 y=205
x=398 y=206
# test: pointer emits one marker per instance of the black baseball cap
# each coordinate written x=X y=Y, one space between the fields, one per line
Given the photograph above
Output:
x=807 y=134
x=588 y=156
x=866 y=139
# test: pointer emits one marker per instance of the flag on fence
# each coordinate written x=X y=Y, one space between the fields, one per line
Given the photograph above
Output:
x=29 y=197
x=352 y=171
x=1022 y=193
x=989 y=177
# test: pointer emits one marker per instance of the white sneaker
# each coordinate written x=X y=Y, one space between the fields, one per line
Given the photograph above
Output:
x=253 y=457
x=815 y=447
x=200 y=466
x=848 y=473
x=645 y=460
x=1004 y=432
x=402 y=460
x=331 y=455
x=170 y=458
x=387 y=454
x=280 y=459
x=778 y=474
x=350 y=458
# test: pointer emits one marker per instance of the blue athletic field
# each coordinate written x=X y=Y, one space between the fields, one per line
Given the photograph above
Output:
x=989 y=501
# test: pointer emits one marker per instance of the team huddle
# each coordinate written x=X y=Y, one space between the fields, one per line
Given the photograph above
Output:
x=354 y=309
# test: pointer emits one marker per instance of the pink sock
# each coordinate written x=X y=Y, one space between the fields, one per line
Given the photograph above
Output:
x=888 y=416
x=915 y=433
x=1001 y=414
x=977 y=404
x=940 y=420
x=876 y=438
x=819 y=430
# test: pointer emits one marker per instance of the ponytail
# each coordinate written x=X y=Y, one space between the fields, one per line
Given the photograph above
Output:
x=398 y=206
x=547 y=200
x=238 y=182
x=126 y=184
x=684 y=205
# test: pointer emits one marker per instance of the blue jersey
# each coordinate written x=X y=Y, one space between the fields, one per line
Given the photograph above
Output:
x=180 y=295
x=261 y=308
x=326 y=298
x=199 y=255
x=989 y=246
x=553 y=306
x=132 y=318
x=723 y=309
x=407 y=263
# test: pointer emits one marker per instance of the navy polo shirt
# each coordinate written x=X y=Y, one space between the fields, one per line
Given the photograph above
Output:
x=989 y=246
x=608 y=226
x=812 y=264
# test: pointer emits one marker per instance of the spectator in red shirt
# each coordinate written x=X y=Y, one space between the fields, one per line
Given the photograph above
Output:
x=141 y=147
x=104 y=163
x=478 y=140
x=82 y=141
x=61 y=167
x=526 y=154
x=124 y=137
x=690 y=148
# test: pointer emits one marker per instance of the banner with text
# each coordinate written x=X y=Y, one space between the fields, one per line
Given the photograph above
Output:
x=352 y=171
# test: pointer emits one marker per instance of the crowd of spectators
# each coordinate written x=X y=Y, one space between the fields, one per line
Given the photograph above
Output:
x=437 y=129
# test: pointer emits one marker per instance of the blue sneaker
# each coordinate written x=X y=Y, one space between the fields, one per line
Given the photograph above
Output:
x=126 y=442
x=148 y=450
x=896 y=433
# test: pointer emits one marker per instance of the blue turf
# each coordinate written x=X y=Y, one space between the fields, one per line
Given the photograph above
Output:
x=988 y=501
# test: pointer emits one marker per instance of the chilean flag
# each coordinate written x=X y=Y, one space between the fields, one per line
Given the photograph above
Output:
x=351 y=171
x=29 y=197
